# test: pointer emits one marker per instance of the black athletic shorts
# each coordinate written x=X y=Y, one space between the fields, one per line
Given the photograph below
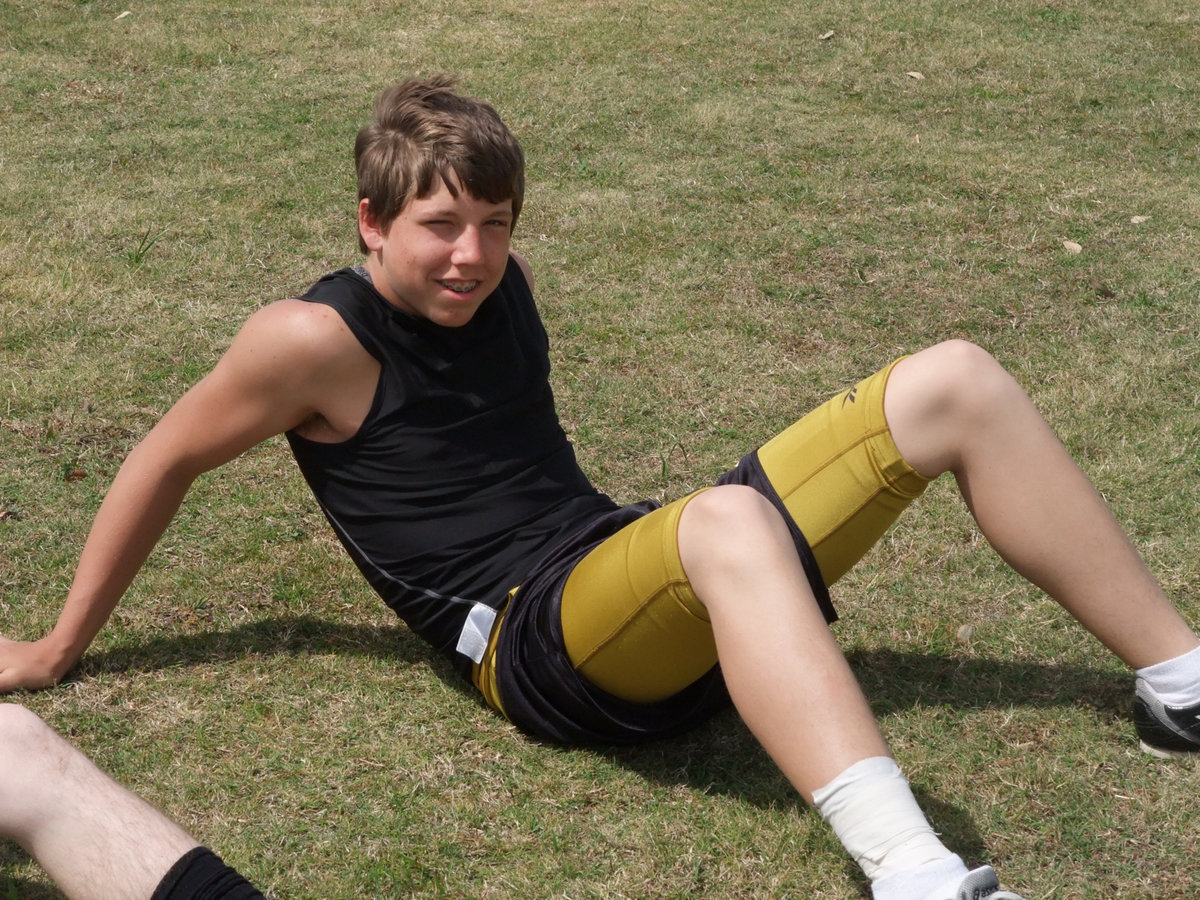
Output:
x=540 y=689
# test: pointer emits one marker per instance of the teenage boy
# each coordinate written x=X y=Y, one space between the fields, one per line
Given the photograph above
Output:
x=94 y=838
x=414 y=393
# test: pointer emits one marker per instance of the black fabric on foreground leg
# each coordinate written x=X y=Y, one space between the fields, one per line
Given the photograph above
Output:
x=201 y=875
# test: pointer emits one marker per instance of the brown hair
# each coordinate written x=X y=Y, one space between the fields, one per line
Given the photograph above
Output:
x=423 y=129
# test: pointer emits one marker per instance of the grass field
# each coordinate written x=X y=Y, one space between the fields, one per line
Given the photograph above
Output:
x=734 y=210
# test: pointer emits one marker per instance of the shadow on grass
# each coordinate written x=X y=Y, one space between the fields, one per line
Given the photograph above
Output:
x=723 y=757
x=720 y=756
x=265 y=637
x=893 y=680
x=21 y=888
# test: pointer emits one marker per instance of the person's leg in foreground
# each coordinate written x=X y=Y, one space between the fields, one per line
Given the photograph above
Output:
x=93 y=837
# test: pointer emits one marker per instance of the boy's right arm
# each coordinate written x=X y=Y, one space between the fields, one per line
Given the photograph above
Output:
x=281 y=370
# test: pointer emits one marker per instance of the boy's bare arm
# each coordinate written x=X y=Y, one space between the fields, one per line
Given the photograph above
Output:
x=282 y=370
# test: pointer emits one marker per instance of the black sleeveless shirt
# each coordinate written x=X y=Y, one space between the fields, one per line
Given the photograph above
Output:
x=461 y=476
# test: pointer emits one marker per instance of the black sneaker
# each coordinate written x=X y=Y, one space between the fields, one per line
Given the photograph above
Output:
x=1165 y=731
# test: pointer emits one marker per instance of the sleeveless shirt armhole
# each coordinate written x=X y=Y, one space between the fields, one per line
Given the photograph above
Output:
x=361 y=335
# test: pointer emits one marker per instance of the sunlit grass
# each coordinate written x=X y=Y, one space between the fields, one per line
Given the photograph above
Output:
x=734 y=210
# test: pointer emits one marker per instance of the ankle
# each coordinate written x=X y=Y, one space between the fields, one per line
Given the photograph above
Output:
x=933 y=880
x=1174 y=682
x=871 y=809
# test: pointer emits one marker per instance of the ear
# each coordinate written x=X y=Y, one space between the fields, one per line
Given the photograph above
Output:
x=368 y=227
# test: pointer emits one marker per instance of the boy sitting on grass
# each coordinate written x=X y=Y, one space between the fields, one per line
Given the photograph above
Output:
x=414 y=392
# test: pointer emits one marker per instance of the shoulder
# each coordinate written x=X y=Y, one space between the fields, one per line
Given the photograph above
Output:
x=524 y=266
x=292 y=338
x=294 y=323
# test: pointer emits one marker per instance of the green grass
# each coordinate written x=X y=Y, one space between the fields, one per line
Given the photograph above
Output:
x=731 y=216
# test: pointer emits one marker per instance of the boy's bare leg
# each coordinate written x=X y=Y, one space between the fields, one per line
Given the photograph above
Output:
x=94 y=838
x=952 y=408
x=794 y=690
x=786 y=674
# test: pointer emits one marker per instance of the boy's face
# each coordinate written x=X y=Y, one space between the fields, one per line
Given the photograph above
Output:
x=442 y=256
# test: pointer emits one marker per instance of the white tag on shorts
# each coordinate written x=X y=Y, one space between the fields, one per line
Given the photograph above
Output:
x=473 y=639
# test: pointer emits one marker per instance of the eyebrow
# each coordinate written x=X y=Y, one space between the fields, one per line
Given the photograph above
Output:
x=450 y=209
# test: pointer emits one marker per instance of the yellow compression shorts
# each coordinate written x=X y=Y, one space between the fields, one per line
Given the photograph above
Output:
x=631 y=623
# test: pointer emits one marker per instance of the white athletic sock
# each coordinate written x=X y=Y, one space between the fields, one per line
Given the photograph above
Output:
x=1175 y=682
x=932 y=881
x=871 y=809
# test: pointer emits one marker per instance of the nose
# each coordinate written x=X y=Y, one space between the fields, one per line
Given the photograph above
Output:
x=468 y=248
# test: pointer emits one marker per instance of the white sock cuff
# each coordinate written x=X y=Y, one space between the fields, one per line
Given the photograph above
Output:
x=872 y=766
x=871 y=809
x=1176 y=682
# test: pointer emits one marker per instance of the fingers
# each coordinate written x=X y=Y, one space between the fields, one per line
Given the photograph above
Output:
x=22 y=668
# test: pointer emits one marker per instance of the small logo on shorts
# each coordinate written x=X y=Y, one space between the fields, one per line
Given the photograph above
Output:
x=849 y=397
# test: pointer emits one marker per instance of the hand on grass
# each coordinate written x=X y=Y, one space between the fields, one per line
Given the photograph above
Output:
x=28 y=665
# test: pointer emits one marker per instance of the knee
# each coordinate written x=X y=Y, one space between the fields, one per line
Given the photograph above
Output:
x=738 y=554
x=729 y=517
x=22 y=732
x=965 y=380
x=965 y=366
x=28 y=760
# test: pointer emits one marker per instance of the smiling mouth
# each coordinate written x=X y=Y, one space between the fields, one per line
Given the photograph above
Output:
x=460 y=287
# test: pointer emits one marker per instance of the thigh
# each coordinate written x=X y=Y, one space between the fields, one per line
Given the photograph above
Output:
x=840 y=476
x=630 y=622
